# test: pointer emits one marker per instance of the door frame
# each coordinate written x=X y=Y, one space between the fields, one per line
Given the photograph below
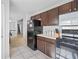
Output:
x=5 y=53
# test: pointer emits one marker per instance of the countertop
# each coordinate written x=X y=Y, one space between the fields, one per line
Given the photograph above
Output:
x=42 y=35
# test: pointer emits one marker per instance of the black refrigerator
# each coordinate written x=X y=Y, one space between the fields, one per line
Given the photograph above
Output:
x=33 y=28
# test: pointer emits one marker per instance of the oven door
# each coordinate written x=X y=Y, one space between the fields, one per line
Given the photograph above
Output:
x=67 y=46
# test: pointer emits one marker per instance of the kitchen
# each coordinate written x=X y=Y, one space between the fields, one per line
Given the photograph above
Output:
x=40 y=29
x=58 y=33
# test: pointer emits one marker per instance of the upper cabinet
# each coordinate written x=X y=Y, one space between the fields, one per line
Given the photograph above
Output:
x=44 y=18
x=66 y=8
x=53 y=17
x=74 y=5
x=36 y=17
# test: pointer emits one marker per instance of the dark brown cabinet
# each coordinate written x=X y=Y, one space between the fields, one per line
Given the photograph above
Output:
x=53 y=17
x=47 y=46
x=41 y=44
x=36 y=17
x=66 y=8
x=50 y=49
x=44 y=18
x=74 y=5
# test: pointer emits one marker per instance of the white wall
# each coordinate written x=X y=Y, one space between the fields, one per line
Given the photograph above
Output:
x=13 y=27
x=5 y=29
x=25 y=27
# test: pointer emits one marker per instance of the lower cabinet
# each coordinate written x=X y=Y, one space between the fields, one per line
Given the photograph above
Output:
x=41 y=44
x=50 y=49
x=46 y=46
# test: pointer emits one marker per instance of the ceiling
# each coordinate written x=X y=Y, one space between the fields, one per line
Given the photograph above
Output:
x=32 y=6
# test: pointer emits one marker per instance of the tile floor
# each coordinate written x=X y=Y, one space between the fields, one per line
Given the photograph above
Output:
x=66 y=53
x=19 y=50
x=24 y=52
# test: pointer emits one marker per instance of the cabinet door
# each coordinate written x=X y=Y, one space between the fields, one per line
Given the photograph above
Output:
x=74 y=5
x=36 y=17
x=53 y=17
x=41 y=44
x=50 y=49
x=44 y=18
x=38 y=44
x=66 y=8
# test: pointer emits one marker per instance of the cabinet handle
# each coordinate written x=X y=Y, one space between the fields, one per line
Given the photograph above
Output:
x=39 y=19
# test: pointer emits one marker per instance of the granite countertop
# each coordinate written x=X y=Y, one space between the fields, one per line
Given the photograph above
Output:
x=42 y=35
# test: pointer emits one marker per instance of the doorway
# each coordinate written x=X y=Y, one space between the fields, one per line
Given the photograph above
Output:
x=17 y=40
x=20 y=27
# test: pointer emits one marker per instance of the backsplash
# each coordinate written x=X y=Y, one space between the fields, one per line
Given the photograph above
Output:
x=49 y=30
